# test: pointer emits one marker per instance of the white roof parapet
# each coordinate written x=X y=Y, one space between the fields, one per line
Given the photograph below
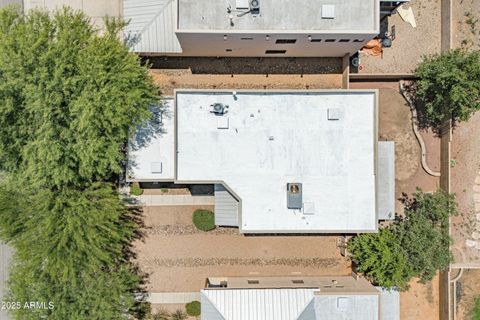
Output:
x=275 y=138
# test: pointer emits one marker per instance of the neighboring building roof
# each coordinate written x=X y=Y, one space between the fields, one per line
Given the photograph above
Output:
x=311 y=300
x=259 y=304
x=4 y=3
x=271 y=138
x=151 y=155
x=389 y=304
x=280 y=15
x=95 y=9
x=152 y=25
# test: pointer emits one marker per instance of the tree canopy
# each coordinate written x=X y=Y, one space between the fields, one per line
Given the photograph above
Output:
x=449 y=86
x=382 y=259
x=416 y=245
x=70 y=96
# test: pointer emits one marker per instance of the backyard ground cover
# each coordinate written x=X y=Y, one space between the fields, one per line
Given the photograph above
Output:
x=179 y=258
x=410 y=44
x=421 y=301
x=468 y=290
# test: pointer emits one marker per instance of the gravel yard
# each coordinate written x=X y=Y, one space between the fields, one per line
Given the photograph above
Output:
x=246 y=73
x=179 y=258
x=411 y=44
x=468 y=289
x=466 y=24
x=466 y=185
x=395 y=123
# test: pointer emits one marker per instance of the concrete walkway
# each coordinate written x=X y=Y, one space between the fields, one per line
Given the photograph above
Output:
x=173 y=297
x=174 y=200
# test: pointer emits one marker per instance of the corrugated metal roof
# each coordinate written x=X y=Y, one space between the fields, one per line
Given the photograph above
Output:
x=152 y=25
x=259 y=304
x=386 y=180
x=226 y=207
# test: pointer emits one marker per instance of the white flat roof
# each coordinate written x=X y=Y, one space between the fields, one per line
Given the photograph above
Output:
x=151 y=153
x=280 y=15
x=268 y=139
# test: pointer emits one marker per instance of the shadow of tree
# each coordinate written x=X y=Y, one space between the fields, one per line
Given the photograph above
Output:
x=422 y=120
x=150 y=130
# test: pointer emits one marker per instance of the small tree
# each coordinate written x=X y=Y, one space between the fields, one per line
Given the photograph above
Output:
x=417 y=245
x=381 y=258
x=449 y=86
x=423 y=232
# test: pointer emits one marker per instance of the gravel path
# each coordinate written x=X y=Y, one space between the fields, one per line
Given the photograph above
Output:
x=183 y=230
x=203 y=262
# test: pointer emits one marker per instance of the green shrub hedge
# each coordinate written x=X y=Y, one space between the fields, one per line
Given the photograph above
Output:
x=204 y=220
x=135 y=189
x=193 y=308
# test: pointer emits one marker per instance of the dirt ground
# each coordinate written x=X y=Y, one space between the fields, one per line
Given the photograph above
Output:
x=421 y=302
x=179 y=258
x=468 y=289
x=246 y=73
x=410 y=44
x=466 y=156
x=395 y=123
x=466 y=24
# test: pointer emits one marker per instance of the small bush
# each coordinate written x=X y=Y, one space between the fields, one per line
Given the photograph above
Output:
x=193 y=308
x=135 y=189
x=161 y=315
x=204 y=220
x=178 y=315
x=476 y=309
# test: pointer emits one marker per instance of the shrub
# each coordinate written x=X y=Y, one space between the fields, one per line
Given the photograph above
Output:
x=135 y=189
x=204 y=220
x=476 y=309
x=178 y=315
x=193 y=308
x=161 y=315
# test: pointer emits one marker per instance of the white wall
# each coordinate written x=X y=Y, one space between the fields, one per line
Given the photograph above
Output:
x=215 y=44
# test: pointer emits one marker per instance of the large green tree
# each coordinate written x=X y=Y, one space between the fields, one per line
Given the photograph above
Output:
x=449 y=86
x=69 y=97
x=416 y=245
x=73 y=249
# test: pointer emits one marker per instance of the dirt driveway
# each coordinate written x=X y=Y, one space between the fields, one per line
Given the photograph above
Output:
x=179 y=258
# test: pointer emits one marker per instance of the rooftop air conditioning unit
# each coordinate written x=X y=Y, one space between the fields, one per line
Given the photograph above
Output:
x=219 y=108
x=255 y=6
